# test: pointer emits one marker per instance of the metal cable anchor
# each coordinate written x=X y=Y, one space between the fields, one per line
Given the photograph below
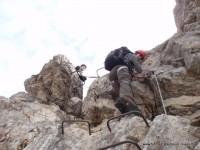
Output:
x=151 y=107
x=120 y=143
x=128 y=113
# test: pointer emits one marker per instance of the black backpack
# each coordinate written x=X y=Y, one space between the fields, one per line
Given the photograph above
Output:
x=116 y=57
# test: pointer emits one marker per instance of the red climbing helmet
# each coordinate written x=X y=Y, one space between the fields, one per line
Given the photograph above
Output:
x=141 y=52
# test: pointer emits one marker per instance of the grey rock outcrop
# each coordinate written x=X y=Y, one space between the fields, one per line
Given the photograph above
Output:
x=187 y=15
x=27 y=124
x=24 y=119
x=57 y=83
x=43 y=117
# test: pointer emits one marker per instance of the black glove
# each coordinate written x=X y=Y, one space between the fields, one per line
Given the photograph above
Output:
x=83 y=78
x=146 y=75
x=149 y=74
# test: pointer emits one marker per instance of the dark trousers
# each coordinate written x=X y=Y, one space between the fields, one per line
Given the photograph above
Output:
x=121 y=82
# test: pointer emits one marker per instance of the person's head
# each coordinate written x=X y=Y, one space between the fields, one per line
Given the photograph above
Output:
x=140 y=54
x=83 y=67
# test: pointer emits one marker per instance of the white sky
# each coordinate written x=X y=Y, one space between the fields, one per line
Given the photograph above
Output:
x=33 y=31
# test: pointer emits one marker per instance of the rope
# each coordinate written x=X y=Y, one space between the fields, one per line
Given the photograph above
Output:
x=160 y=95
x=164 y=109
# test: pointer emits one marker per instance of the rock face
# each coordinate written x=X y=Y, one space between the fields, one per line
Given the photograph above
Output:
x=57 y=83
x=24 y=119
x=187 y=15
x=27 y=124
x=52 y=115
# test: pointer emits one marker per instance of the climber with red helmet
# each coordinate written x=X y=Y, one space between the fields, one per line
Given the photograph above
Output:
x=140 y=54
x=121 y=76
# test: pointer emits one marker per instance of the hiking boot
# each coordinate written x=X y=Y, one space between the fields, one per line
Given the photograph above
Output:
x=132 y=107
x=120 y=104
x=125 y=106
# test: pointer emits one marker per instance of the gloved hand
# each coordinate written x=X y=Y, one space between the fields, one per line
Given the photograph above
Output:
x=143 y=75
x=149 y=74
x=83 y=78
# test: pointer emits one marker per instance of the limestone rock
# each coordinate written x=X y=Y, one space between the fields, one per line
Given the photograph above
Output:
x=182 y=105
x=99 y=103
x=56 y=83
x=27 y=121
x=187 y=15
x=195 y=118
x=4 y=103
x=73 y=106
x=174 y=133
x=52 y=115
x=175 y=63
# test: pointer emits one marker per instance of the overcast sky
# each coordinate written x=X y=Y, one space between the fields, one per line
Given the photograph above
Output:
x=33 y=31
